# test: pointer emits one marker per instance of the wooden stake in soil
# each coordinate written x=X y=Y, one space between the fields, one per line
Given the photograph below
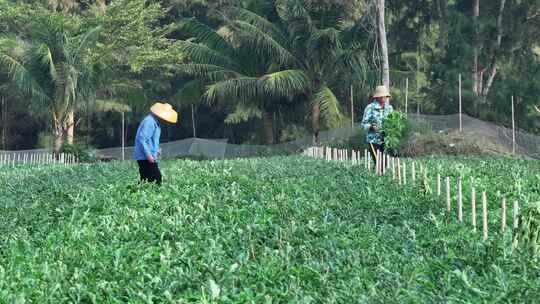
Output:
x=399 y=171
x=515 y=219
x=404 y=173
x=438 y=184
x=460 y=201
x=503 y=215
x=413 y=173
x=484 y=216
x=393 y=165
x=448 y=202
x=473 y=208
x=406 y=96
x=377 y=162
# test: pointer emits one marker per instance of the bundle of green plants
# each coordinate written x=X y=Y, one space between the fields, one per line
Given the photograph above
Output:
x=395 y=128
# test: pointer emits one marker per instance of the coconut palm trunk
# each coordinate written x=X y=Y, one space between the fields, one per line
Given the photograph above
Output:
x=268 y=126
x=383 y=43
x=58 y=133
x=316 y=122
x=70 y=127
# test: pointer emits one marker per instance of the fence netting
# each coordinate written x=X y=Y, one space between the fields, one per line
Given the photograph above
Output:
x=526 y=143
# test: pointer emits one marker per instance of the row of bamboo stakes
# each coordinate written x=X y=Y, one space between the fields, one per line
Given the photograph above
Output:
x=385 y=163
x=13 y=159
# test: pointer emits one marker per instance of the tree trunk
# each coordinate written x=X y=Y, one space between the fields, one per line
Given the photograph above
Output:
x=70 y=127
x=442 y=6
x=493 y=67
x=4 y=122
x=316 y=122
x=268 y=126
x=58 y=137
x=382 y=40
x=476 y=47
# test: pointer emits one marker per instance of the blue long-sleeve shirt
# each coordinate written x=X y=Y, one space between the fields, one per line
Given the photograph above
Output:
x=147 y=138
x=375 y=114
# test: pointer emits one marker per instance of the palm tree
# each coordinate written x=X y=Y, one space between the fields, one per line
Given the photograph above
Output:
x=50 y=65
x=255 y=61
x=226 y=72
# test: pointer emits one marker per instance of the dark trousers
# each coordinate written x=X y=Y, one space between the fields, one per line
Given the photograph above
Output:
x=373 y=148
x=149 y=172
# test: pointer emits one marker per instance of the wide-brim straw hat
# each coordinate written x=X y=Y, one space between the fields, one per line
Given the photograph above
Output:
x=165 y=112
x=381 y=91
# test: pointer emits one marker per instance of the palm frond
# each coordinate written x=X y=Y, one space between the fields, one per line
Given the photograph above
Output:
x=206 y=35
x=190 y=93
x=324 y=42
x=43 y=52
x=286 y=83
x=243 y=113
x=241 y=14
x=16 y=69
x=202 y=54
x=237 y=90
x=213 y=73
x=85 y=41
x=330 y=108
x=345 y=62
x=263 y=44
x=296 y=17
x=111 y=105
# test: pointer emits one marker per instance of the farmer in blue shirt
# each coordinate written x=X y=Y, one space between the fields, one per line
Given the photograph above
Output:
x=372 y=121
x=146 y=148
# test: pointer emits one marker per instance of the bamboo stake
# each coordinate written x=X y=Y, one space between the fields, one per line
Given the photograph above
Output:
x=460 y=201
x=413 y=174
x=484 y=216
x=406 y=95
x=448 y=201
x=393 y=165
x=515 y=218
x=503 y=215
x=383 y=162
x=399 y=171
x=473 y=207
x=404 y=173
x=379 y=162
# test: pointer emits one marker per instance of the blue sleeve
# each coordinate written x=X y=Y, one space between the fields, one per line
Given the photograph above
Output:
x=145 y=137
x=365 y=119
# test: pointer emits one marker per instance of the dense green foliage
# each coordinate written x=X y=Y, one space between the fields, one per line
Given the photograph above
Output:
x=286 y=229
x=395 y=128
x=264 y=67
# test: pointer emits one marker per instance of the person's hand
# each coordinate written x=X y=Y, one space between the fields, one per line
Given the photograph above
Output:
x=150 y=159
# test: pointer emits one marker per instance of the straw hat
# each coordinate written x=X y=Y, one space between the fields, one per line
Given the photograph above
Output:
x=381 y=91
x=165 y=112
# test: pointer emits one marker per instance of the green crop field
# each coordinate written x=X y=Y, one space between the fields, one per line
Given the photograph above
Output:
x=274 y=230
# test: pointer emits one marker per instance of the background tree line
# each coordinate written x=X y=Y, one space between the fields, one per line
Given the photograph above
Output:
x=255 y=71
